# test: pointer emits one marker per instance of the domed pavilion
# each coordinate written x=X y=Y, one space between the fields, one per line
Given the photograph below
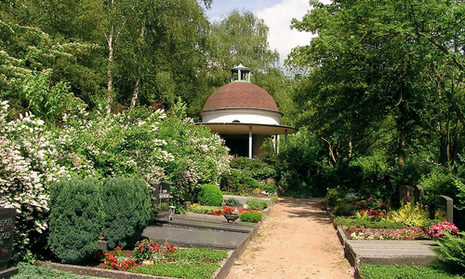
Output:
x=244 y=114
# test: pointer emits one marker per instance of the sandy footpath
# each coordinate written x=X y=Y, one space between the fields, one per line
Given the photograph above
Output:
x=297 y=240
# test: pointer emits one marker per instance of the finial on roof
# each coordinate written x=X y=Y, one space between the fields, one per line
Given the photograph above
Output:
x=240 y=73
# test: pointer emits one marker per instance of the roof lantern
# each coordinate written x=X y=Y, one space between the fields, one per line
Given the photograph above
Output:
x=240 y=73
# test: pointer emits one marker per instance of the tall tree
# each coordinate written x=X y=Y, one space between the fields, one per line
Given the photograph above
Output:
x=372 y=60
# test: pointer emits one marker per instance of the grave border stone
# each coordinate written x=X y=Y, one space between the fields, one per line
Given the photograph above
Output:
x=449 y=207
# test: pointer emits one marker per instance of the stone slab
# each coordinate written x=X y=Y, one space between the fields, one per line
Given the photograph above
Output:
x=196 y=222
x=390 y=252
x=192 y=237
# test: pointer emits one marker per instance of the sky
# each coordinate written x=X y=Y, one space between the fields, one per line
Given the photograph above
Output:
x=277 y=14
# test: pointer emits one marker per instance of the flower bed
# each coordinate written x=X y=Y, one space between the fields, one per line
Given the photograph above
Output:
x=411 y=233
x=148 y=257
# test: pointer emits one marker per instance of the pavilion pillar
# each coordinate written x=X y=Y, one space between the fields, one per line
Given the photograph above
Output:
x=277 y=144
x=285 y=137
x=250 y=142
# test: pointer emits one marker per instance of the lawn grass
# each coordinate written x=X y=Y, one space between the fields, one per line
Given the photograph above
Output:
x=193 y=263
x=405 y=272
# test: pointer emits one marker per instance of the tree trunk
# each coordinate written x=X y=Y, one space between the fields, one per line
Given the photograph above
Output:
x=135 y=92
x=402 y=140
x=109 y=71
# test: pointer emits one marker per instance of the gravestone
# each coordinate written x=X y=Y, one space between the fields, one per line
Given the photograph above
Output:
x=445 y=207
x=7 y=228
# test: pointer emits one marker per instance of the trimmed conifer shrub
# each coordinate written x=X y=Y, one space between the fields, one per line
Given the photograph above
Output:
x=76 y=219
x=128 y=209
x=210 y=194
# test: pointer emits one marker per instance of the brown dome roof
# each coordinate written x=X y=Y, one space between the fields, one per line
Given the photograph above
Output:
x=240 y=95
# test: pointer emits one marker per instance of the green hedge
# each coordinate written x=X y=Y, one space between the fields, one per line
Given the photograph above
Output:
x=211 y=195
x=255 y=204
x=76 y=219
x=128 y=208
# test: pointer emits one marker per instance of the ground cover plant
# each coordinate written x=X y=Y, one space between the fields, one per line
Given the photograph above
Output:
x=406 y=272
x=29 y=271
x=255 y=204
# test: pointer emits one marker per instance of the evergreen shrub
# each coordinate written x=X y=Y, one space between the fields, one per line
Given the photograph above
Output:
x=255 y=204
x=250 y=216
x=76 y=219
x=128 y=208
x=232 y=202
x=210 y=194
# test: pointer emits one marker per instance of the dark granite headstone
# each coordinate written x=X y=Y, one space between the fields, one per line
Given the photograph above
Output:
x=7 y=228
x=445 y=207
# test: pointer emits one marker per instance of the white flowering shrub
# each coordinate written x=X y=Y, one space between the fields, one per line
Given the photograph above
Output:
x=27 y=167
x=125 y=144
x=200 y=157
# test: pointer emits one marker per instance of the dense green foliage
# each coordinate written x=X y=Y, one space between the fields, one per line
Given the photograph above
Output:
x=256 y=204
x=248 y=175
x=128 y=208
x=28 y=271
x=210 y=194
x=76 y=219
x=452 y=251
x=236 y=181
x=405 y=271
x=250 y=216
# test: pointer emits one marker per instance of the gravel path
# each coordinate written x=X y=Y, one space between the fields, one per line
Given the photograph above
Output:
x=297 y=240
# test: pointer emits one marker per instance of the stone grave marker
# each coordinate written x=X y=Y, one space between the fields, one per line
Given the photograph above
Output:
x=445 y=207
x=7 y=229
